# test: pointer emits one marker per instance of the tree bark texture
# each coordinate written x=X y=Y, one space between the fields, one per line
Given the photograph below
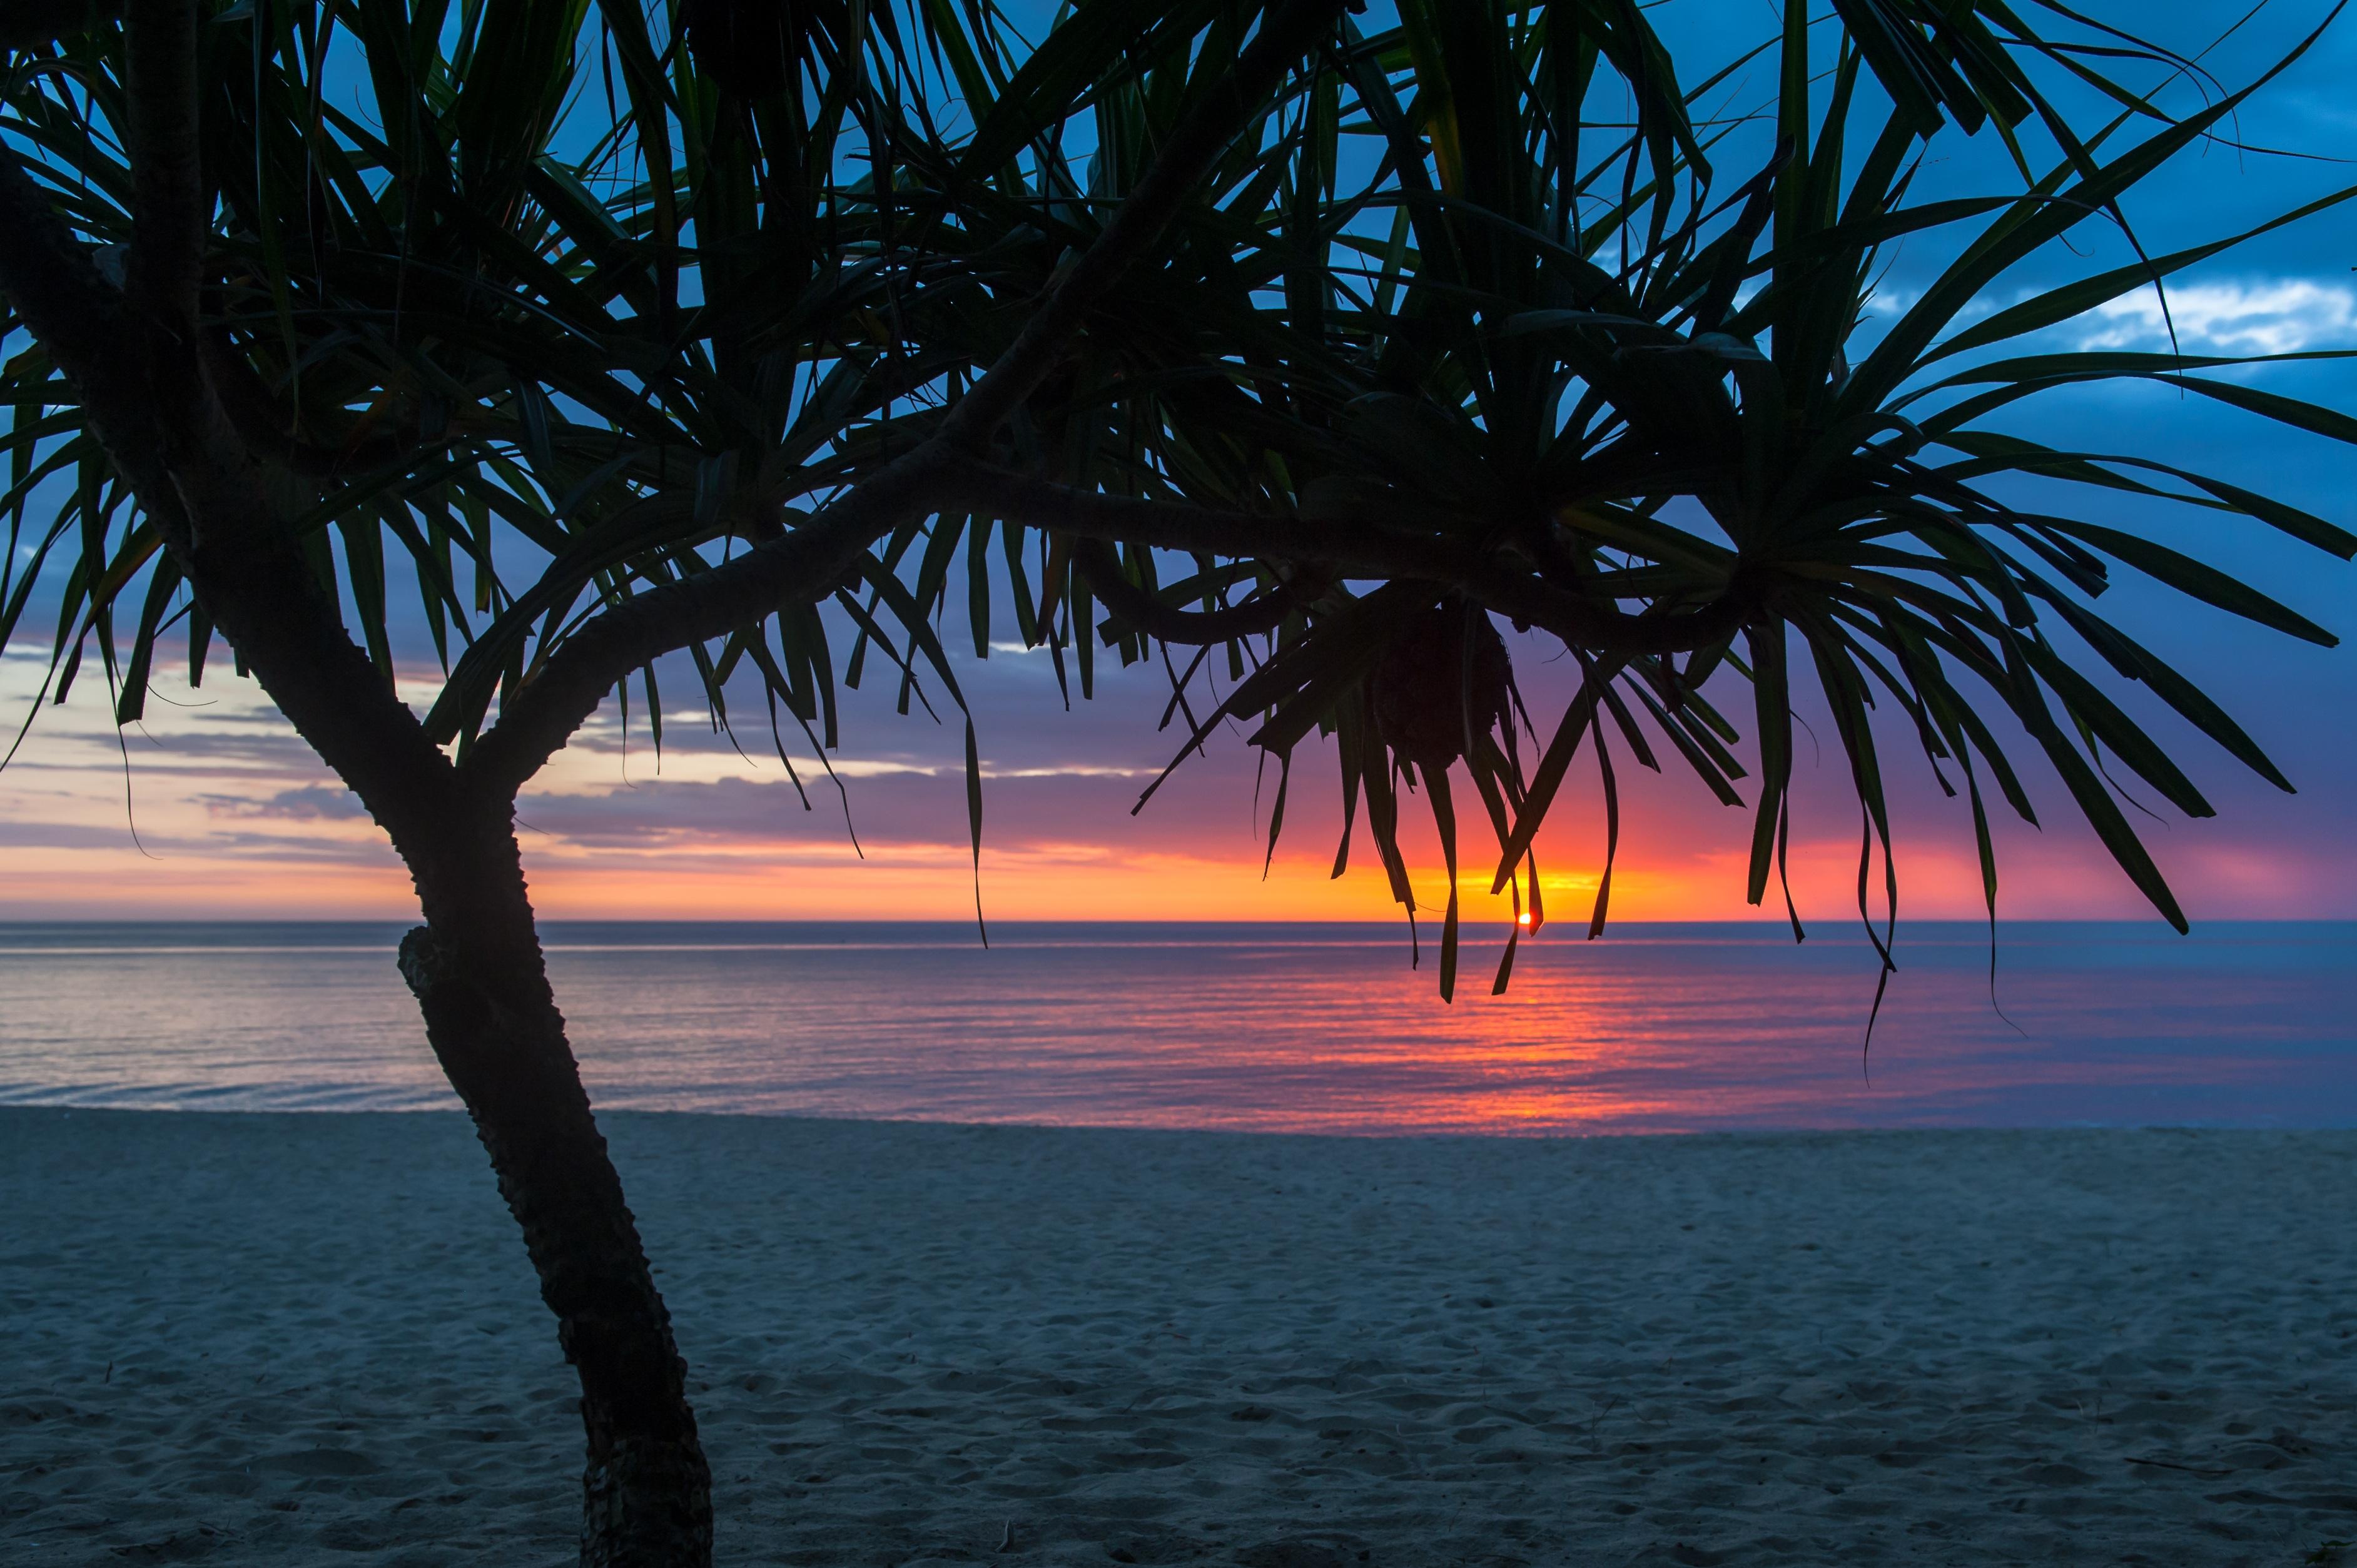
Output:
x=479 y=978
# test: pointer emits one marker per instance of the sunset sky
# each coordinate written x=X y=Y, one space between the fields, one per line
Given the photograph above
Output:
x=232 y=818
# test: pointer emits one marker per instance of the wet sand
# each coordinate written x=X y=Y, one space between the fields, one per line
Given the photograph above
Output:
x=304 y=1339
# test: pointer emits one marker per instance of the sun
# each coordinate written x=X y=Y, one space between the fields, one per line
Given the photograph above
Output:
x=1524 y=919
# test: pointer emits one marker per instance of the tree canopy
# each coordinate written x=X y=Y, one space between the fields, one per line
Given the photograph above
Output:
x=1287 y=345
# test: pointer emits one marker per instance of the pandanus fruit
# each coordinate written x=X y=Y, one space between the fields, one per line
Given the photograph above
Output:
x=1447 y=677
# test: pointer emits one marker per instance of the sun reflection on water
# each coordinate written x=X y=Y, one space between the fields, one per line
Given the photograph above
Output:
x=1276 y=1029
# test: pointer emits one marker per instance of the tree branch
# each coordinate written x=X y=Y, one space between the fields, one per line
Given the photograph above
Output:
x=1167 y=622
x=53 y=282
x=1353 y=550
x=541 y=716
x=542 y=713
x=1289 y=30
x=267 y=430
x=28 y=23
x=253 y=583
x=168 y=216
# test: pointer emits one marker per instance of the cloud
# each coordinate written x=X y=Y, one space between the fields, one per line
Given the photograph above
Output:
x=2281 y=316
x=310 y=803
x=1031 y=808
x=300 y=848
x=71 y=835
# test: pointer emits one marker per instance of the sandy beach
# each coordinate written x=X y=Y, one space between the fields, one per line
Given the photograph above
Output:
x=283 y=1339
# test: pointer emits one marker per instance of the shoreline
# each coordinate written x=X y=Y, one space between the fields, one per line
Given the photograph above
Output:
x=279 y=1339
x=1548 y=1134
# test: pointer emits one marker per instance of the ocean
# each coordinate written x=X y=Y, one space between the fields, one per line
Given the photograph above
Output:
x=1291 y=1029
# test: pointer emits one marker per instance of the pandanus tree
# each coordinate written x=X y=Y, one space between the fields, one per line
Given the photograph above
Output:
x=1298 y=345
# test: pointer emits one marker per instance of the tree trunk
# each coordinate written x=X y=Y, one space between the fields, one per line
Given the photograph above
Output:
x=479 y=978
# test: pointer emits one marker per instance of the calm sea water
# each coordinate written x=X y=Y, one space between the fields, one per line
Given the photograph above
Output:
x=1292 y=1027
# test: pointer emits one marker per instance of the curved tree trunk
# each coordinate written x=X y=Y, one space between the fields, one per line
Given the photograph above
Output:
x=477 y=973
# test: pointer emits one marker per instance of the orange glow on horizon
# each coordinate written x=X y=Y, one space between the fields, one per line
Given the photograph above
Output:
x=1072 y=882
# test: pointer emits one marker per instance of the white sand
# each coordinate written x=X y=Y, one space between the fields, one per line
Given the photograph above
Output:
x=2084 y=1347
